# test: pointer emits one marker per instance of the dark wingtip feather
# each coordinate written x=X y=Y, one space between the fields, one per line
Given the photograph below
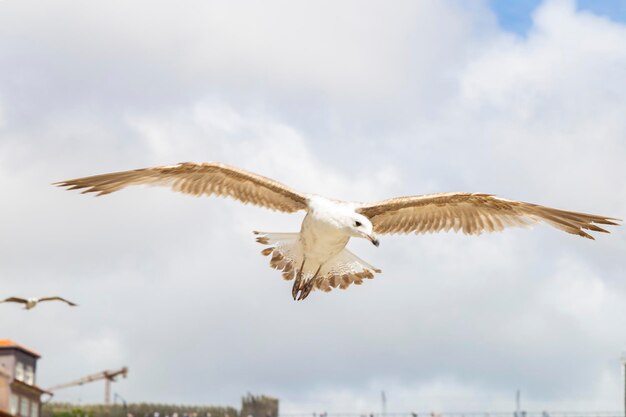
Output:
x=587 y=235
x=595 y=228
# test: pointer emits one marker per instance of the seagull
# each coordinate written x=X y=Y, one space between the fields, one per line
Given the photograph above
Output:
x=30 y=303
x=317 y=256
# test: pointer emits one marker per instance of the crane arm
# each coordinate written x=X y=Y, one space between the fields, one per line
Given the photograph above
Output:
x=108 y=375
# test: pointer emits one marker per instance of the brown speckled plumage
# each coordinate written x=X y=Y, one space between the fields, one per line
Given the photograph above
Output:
x=199 y=179
x=473 y=213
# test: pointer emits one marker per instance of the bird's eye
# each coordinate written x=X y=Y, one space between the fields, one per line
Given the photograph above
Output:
x=357 y=224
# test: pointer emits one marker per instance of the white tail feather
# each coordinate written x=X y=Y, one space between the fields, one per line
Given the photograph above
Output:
x=285 y=250
x=342 y=270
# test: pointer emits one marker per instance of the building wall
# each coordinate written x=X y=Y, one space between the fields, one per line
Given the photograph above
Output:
x=7 y=361
x=26 y=361
x=28 y=402
x=4 y=391
x=18 y=393
x=259 y=406
x=10 y=359
x=26 y=358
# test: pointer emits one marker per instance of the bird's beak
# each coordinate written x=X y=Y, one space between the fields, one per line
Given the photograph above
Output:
x=372 y=238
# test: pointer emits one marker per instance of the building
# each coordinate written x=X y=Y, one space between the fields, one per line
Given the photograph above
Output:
x=259 y=406
x=19 y=394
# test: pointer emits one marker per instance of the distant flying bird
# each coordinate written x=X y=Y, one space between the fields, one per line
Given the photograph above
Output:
x=32 y=302
x=317 y=256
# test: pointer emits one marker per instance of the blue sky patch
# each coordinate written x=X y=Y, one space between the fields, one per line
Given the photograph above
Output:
x=516 y=16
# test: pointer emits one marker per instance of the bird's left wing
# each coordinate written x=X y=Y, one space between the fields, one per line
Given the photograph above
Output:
x=56 y=298
x=199 y=179
x=473 y=213
x=13 y=300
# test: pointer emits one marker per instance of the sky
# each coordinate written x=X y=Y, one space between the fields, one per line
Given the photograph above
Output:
x=517 y=16
x=358 y=100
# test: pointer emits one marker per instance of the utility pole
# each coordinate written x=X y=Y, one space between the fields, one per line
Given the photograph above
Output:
x=383 y=398
x=624 y=365
x=116 y=397
x=517 y=401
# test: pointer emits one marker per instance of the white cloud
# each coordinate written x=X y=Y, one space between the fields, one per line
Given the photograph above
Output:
x=217 y=132
x=2 y=117
x=576 y=291
x=348 y=53
x=535 y=96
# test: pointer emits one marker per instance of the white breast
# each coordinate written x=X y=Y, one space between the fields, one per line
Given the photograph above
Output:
x=322 y=235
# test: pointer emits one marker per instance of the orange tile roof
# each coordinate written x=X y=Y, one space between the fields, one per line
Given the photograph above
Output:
x=8 y=343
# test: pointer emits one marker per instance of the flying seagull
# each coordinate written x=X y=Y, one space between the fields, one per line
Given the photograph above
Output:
x=317 y=256
x=32 y=302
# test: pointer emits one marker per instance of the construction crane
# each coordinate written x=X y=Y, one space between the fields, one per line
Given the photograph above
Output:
x=108 y=376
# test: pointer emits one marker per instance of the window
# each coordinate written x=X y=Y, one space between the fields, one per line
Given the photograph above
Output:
x=34 y=409
x=24 y=407
x=29 y=375
x=13 y=401
x=19 y=371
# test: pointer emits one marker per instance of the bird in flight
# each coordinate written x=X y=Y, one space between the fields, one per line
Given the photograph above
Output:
x=30 y=303
x=317 y=256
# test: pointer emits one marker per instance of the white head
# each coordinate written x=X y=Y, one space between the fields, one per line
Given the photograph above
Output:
x=360 y=226
x=342 y=216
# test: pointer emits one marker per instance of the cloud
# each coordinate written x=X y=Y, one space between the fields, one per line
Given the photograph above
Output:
x=2 y=117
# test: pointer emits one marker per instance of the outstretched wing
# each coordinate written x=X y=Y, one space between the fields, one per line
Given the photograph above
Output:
x=57 y=299
x=199 y=179
x=473 y=213
x=14 y=300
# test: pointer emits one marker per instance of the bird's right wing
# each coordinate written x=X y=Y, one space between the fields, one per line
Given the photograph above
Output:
x=199 y=179
x=14 y=300
x=56 y=298
x=474 y=213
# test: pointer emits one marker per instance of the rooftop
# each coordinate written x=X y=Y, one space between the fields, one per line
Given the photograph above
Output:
x=10 y=344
